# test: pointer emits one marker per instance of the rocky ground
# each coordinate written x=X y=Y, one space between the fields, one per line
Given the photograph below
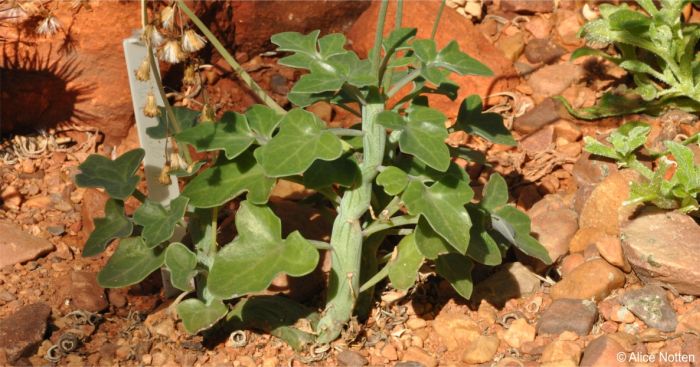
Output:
x=623 y=289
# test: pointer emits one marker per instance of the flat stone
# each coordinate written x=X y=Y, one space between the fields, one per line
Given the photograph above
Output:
x=602 y=208
x=455 y=330
x=610 y=249
x=552 y=80
x=539 y=141
x=17 y=246
x=519 y=332
x=689 y=321
x=527 y=6
x=564 y=314
x=651 y=306
x=409 y=364
x=603 y=352
x=555 y=229
x=481 y=350
x=664 y=246
x=418 y=355
x=593 y=279
x=512 y=280
x=85 y=293
x=543 y=50
x=590 y=169
x=350 y=358
x=22 y=332
x=561 y=352
x=547 y=112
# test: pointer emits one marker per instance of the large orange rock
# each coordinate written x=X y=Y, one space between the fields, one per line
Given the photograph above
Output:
x=664 y=246
x=604 y=208
x=257 y=21
x=592 y=279
x=421 y=15
x=77 y=74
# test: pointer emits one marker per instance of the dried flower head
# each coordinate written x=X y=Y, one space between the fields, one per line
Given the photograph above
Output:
x=151 y=108
x=48 y=26
x=190 y=75
x=151 y=36
x=167 y=17
x=208 y=113
x=176 y=163
x=171 y=52
x=143 y=73
x=192 y=42
x=164 y=177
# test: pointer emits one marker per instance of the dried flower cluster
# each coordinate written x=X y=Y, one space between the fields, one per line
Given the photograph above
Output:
x=32 y=12
x=174 y=42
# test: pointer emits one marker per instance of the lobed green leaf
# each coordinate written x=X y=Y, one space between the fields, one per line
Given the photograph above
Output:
x=158 y=222
x=228 y=179
x=115 y=224
x=302 y=139
x=130 y=264
x=117 y=177
x=232 y=135
x=258 y=254
x=181 y=262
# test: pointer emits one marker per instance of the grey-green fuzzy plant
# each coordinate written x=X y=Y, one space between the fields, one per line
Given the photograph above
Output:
x=390 y=180
x=656 y=47
x=675 y=181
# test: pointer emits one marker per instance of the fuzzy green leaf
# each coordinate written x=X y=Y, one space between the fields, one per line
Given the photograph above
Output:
x=425 y=49
x=263 y=120
x=687 y=172
x=495 y=192
x=482 y=248
x=456 y=269
x=488 y=125
x=197 y=316
x=594 y=146
x=522 y=239
x=181 y=263
x=628 y=137
x=429 y=243
x=258 y=254
x=302 y=139
x=113 y=225
x=228 y=179
x=424 y=137
x=453 y=59
x=232 y=134
x=117 y=177
x=343 y=171
x=442 y=204
x=319 y=81
x=159 y=223
x=391 y=120
x=403 y=269
x=393 y=179
x=131 y=263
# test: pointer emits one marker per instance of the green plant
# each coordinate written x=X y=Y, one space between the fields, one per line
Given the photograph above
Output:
x=674 y=184
x=390 y=180
x=656 y=47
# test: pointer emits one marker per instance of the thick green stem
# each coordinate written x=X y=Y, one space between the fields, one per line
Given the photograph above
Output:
x=347 y=236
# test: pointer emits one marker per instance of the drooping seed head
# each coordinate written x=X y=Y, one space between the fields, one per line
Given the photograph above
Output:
x=192 y=42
